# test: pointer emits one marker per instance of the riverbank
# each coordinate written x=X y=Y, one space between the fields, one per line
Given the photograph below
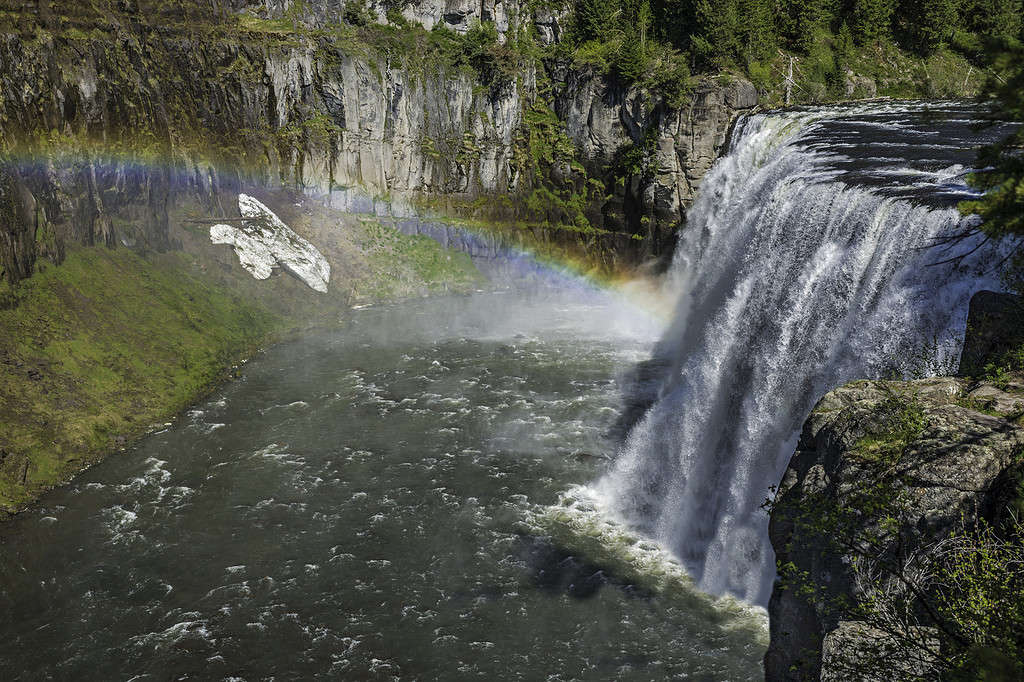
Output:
x=98 y=350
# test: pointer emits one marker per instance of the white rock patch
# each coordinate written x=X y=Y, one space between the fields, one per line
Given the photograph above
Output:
x=264 y=242
x=254 y=256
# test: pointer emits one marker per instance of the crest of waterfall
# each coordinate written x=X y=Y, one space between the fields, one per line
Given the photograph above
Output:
x=791 y=280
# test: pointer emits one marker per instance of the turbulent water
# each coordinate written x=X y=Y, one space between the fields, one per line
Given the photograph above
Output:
x=380 y=502
x=813 y=256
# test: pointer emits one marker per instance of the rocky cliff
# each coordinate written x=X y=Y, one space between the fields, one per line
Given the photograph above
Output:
x=104 y=110
x=887 y=477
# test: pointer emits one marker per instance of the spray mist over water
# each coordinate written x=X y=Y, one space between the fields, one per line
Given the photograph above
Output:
x=801 y=268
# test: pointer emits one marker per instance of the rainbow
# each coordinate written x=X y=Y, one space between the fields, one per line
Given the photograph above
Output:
x=508 y=253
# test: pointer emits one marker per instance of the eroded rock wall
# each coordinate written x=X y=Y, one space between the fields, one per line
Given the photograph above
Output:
x=121 y=125
x=884 y=473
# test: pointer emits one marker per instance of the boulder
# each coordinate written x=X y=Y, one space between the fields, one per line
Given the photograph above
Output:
x=884 y=471
x=995 y=328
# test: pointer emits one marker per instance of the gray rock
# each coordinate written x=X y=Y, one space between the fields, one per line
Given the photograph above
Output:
x=995 y=324
x=857 y=86
x=947 y=474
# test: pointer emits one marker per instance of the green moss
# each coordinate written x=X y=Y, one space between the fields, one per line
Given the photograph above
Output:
x=103 y=346
x=404 y=265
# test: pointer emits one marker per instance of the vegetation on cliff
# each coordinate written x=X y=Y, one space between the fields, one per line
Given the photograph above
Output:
x=1001 y=209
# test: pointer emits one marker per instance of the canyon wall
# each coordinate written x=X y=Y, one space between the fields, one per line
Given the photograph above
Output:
x=103 y=126
x=889 y=482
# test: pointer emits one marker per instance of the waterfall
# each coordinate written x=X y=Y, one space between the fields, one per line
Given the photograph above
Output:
x=791 y=280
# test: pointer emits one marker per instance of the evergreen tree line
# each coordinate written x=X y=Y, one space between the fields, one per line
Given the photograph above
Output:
x=723 y=32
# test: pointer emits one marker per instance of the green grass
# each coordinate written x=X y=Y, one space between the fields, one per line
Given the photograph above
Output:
x=101 y=347
x=96 y=350
x=404 y=265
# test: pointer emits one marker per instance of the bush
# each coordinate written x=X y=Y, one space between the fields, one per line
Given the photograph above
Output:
x=356 y=13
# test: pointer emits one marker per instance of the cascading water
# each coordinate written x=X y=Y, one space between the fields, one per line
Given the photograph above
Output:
x=805 y=264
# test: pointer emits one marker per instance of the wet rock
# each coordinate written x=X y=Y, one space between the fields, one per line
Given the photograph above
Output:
x=603 y=119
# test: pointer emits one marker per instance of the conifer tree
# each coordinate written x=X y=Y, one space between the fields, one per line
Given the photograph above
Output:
x=594 y=19
x=812 y=17
x=717 y=36
x=871 y=20
x=757 y=28
x=1002 y=206
x=932 y=23
x=632 y=61
x=999 y=19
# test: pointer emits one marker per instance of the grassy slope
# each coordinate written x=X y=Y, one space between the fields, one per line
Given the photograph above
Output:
x=94 y=351
x=102 y=346
x=402 y=264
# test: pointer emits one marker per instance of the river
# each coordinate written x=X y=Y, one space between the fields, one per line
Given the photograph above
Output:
x=432 y=491
x=369 y=503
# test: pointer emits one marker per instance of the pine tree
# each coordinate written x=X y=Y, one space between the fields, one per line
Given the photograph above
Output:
x=812 y=18
x=717 y=36
x=595 y=19
x=633 y=59
x=674 y=21
x=757 y=28
x=872 y=20
x=1002 y=206
x=932 y=23
x=994 y=18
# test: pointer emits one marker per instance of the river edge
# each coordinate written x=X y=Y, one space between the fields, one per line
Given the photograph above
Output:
x=113 y=343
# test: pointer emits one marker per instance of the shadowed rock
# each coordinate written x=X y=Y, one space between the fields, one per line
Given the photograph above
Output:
x=947 y=475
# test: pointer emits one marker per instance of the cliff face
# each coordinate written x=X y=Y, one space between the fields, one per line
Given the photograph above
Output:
x=885 y=477
x=131 y=114
x=457 y=15
x=602 y=119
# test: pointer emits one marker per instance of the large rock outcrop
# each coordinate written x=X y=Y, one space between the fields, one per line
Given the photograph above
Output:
x=603 y=118
x=884 y=472
x=995 y=324
x=253 y=105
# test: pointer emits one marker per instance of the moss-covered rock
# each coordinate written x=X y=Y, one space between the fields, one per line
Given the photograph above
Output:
x=884 y=474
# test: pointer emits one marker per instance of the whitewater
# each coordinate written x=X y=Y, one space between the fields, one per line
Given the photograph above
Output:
x=809 y=259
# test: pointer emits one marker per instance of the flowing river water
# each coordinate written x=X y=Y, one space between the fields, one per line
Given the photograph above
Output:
x=435 y=490
x=370 y=503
